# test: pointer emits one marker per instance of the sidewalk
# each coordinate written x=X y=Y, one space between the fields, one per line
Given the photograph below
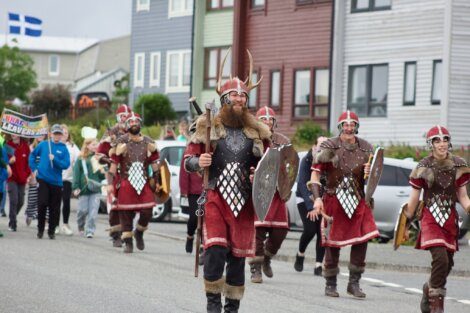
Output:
x=381 y=256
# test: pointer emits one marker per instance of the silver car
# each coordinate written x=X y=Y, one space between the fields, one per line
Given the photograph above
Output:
x=393 y=190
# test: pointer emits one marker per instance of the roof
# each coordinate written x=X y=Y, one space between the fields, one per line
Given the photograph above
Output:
x=49 y=44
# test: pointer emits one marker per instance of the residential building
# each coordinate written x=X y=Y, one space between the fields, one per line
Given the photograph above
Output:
x=161 y=50
x=213 y=36
x=403 y=66
x=290 y=44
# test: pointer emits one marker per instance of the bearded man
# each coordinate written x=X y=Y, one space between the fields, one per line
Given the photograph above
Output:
x=344 y=162
x=131 y=156
x=102 y=154
x=238 y=141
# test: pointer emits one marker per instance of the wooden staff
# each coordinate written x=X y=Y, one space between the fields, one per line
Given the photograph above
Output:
x=202 y=199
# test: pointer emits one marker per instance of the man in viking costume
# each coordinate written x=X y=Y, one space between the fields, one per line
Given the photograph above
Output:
x=102 y=154
x=442 y=176
x=237 y=143
x=276 y=223
x=131 y=156
x=348 y=219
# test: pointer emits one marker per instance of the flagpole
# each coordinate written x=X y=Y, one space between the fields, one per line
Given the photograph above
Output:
x=50 y=149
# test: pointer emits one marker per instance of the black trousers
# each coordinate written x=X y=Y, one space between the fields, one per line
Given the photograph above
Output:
x=66 y=194
x=311 y=228
x=49 y=199
x=192 y=222
x=215 y=258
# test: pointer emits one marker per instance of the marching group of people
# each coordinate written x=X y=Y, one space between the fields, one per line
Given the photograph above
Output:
x=330 y=194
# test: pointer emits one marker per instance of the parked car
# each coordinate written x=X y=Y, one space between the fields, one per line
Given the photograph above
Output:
x=393 y=190
x=172 y=151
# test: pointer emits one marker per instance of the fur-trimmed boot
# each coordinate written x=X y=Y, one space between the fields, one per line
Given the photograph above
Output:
x=330 y=275
x=354 y=289
x=425 y=299
x=139 y=236
x=233 y=295
x=214 y=295
x=267 y=269
x=128 y=244
x=117 y=241
x=436 y=299
x=255 y=269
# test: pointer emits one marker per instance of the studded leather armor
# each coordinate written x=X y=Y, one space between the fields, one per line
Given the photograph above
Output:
x=279 y=139
x=230 y=170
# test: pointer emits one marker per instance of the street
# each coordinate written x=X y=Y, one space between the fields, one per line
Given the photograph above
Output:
x=76 y=274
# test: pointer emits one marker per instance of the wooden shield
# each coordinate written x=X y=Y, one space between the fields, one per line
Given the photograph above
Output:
x=400 y=228
x=265 y=181
x=375 y=173
x=288 y=169
x=163 y=193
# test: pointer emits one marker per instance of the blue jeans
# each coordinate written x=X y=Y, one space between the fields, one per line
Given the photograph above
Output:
x=88 y=210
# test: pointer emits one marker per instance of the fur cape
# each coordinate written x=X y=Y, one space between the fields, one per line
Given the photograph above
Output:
x=424 y=169
x=253 y=129
x=120 y=145
x=328 y=149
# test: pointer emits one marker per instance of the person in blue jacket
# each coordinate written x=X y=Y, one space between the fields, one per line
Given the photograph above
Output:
x=5 y=172
x=53 y=159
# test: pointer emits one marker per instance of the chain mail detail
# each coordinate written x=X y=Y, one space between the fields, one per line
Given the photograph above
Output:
x=440 y=209
x=235 y=140
x=136 y=176
x=230 y=185
x=346 y=195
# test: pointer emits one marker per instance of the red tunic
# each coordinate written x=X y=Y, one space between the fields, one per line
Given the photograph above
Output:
x=431 y=233
x=346 y=231
x=277 y=216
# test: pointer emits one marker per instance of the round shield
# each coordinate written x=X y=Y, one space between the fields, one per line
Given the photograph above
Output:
x=288 y=169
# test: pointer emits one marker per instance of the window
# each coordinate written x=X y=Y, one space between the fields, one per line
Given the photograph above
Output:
x=303 y=2
x=213 y=58
x=368 y=90
x=304 y=104
x=173 y=155
x=370 y=5
x=219 y=4
x=275 y=89
x=155 y=69
x=436 y=82
x=178 y=70
x=409 y=87
x=143 y=5
x=178 y=8
x=54 y=65
x=258 y=4
x=253 y=96
x=139 y=67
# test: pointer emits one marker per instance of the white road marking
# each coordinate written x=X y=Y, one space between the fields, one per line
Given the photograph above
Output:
x=464 y=301
x=392 y=285
x=414 y=290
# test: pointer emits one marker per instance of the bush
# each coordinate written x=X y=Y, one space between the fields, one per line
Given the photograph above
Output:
x=53 y=100
x=306 y=135
x=403 y=151
x=157 y=109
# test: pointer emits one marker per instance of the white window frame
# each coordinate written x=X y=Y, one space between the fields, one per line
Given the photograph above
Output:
x=185 y=12
x=138 y=82
x=142 y=7
x=180 y=87
x=55 y=73
x=155 y=82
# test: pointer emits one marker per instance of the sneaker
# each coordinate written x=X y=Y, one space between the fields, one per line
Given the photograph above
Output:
x=89 y=235
x=66 y=230
x=4 y=214
x=317 y=271
x=1 y=234
x=57 y=230
x=299 y=263
x=51 y=236
x=28 y=221
x=12 y=228
x=40 y=234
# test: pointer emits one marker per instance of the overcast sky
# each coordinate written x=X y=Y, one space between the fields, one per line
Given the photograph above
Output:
x=99 y=19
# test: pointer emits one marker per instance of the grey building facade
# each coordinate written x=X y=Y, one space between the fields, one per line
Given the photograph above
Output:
x=161 y=33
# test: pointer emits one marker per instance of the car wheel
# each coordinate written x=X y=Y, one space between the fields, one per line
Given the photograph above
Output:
x=462 y=233
x=383 y=239
x=160 y=211
x=103 y=208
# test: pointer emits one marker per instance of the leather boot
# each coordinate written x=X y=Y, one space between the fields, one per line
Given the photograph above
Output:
x=139 y=239
x=425 y=299
x=117 y=241
x=436 y=300
x=214 y=302
x=299 y=263
x=189 y=244
x=231 y=305
x=353 y=286
x=330 y=287
x=256 y=276
x=267 y=269
x=128 y=245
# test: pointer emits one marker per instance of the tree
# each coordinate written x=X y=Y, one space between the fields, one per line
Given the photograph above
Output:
x=17 y=76
x=121 y=94
x=157 y=108
x=53 y=100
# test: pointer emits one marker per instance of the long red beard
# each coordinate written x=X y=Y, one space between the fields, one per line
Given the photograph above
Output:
x=234 y=118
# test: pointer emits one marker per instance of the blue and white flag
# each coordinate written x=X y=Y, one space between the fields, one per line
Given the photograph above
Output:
x=20 y=24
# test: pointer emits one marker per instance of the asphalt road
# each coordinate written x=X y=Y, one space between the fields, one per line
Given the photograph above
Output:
x=76 y=274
